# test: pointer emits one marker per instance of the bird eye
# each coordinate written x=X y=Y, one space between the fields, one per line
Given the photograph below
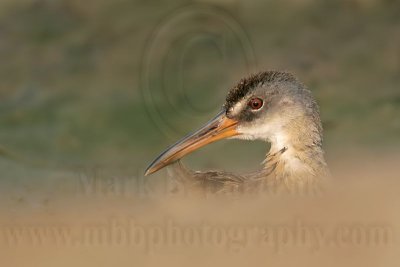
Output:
x=255 y=103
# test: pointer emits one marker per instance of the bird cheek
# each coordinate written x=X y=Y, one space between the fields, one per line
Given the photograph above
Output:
x=246 y=116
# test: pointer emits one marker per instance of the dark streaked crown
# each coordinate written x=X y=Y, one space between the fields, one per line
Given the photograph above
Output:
x=247 y=84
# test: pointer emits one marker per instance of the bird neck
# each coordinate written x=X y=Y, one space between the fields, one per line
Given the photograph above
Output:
x=296 y=157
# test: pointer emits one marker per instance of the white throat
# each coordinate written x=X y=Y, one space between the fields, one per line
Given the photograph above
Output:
x=295 y=154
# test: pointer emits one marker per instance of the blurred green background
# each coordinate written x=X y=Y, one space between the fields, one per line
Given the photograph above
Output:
x=110 y=84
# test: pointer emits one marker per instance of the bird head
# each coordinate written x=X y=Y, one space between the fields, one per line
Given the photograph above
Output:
x=272 y=106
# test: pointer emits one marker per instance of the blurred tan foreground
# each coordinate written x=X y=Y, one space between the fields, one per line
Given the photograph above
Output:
x=356 y=223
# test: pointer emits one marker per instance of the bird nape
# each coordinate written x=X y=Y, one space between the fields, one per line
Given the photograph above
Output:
x=272 y=106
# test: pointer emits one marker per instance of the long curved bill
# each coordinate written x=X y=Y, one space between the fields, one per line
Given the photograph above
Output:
x=216 y=129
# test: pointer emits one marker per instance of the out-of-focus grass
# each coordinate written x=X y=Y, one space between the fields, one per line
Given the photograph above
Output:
x=70 y=76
